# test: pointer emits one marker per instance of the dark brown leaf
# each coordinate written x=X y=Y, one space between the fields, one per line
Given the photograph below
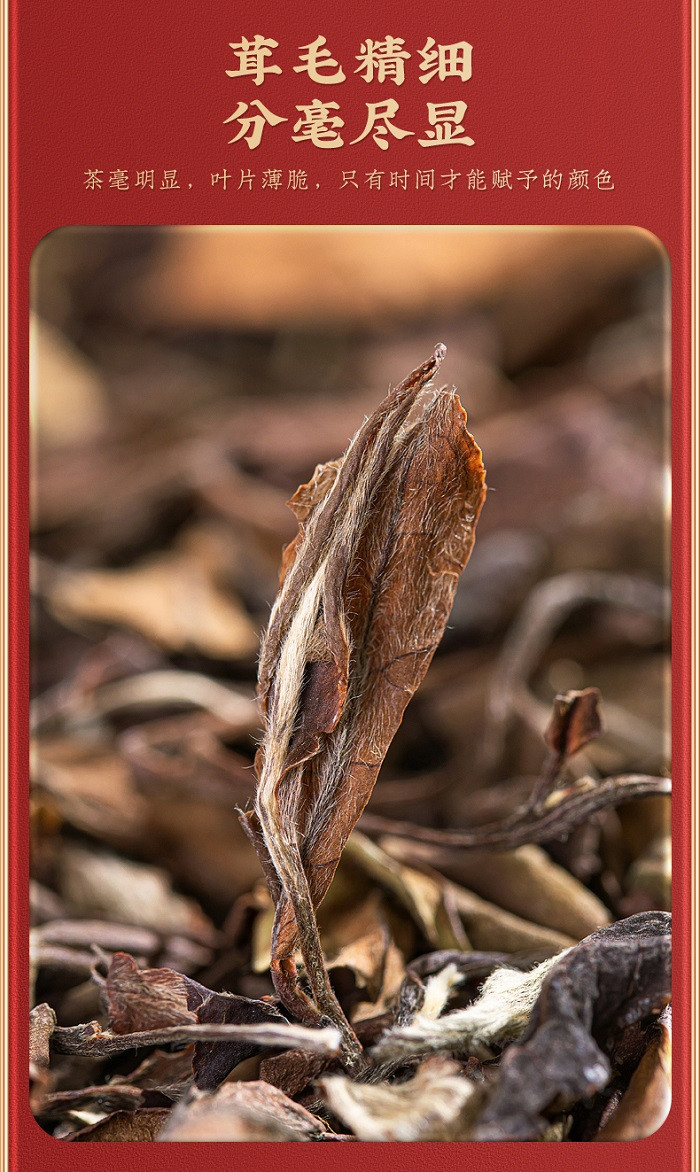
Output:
x=614 y=978
x=153 y=999
x=112 y=1097
x=292 y=1071
x=213 y=1060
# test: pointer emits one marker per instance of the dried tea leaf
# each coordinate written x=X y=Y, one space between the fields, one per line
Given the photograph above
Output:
x=97 y=883
x=365 y=959
x=241 y=1112
x=424 y=896
x=125 y=1127
x=438 y=1103
x=42 y=1023
x=491 y=929
x=213 y=1060
x=144 y=999
x=153 y=999
x=614 y=978
x=525 y=882
x=650 y=875
x=647 y=1101
x=100 y=1099
x=165 y=1072
x=91 y=788
x=292 y=1071
x=575 y=721
x=499 y=1015
x=100 y=933
x=366 y=589
x=172 y=598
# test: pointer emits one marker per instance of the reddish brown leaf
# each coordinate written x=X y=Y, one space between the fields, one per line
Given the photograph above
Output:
x=367 y=586
x=575 y=721
x=151 y=999
x=292 y=1071
x=647 y=1101
x=144 y=999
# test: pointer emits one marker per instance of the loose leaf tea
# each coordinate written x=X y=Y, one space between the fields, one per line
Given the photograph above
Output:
x=614 y=978
x=443 y=992
x=366 y=589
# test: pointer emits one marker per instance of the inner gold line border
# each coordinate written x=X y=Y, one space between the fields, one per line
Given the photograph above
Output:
x=4 y=624
x=694 y=580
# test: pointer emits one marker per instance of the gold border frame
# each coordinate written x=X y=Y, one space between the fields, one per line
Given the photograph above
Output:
x=694 y=546
x=4 y=621
x=694 y=617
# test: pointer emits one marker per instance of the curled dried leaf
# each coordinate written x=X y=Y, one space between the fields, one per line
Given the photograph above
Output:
x=366 y=589
x=144 y=999
x=575 y=721
x=124 y=1127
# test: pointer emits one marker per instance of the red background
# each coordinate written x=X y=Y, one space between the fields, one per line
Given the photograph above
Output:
x=143 y=86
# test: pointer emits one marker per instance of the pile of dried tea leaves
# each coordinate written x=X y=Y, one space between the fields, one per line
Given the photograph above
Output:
x=269 y=901
x=383 y=1041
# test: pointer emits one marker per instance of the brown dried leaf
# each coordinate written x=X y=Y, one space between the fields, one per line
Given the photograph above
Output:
x=172 y=598
x=144 y=999
x=647 y=1101
x=426 y=897
x=42 y=1023
x=101 y=884
x=292 y=1071
x=241 y=1112
x=100 y=1099
x=91 y=787
x=152 y=999
x=376 y=970
x=575 y=721
x=169 y=1073
x=524 y=881
x=366 y=589
x=125 y=1127
x=213 y=1061
x=491 y=929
